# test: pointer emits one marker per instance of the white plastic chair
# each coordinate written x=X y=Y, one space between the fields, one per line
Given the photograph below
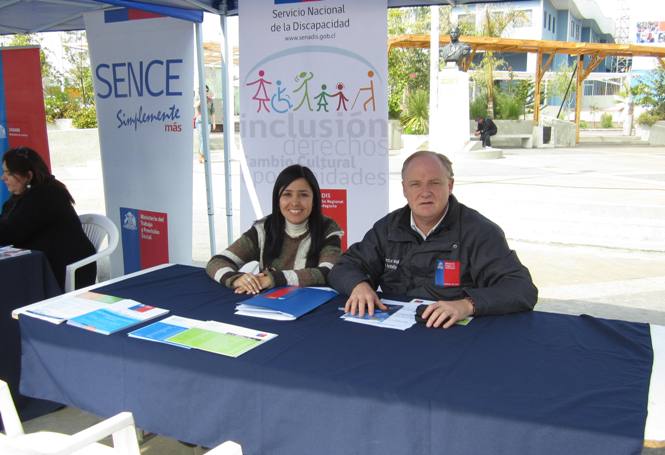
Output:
x=226 y=448
x=85 y=442
x=97 y=228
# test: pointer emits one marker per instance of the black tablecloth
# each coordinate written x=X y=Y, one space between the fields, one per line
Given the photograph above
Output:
x=526 y=383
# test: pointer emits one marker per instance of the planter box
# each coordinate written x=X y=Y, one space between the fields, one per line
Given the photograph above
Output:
x=395 y=135
x=63 y=124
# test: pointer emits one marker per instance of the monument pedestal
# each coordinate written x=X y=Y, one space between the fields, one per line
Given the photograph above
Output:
x=452 y=117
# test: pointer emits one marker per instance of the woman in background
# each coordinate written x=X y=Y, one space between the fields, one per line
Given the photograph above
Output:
x=39 y=216
x=295 y=245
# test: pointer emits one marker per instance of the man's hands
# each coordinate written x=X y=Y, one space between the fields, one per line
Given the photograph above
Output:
x=363 y=299
x=251 y=284
x=445 y=313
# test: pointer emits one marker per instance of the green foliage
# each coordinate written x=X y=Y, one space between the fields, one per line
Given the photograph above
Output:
x=584 y=124
x=79 y=77
x=23 y=39
x=408 y=69
x=58 y=104
x=650 y=92
x=646 y=118
x=606 y=120
x=494 y=23
x=508 y=107
x=85 y=117
x=394 y=108
x=558 y=85
x=408 y=20
x=478 y=107
x=416 y=117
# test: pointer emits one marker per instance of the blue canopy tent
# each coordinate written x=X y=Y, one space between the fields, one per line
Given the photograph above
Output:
x=36 y=16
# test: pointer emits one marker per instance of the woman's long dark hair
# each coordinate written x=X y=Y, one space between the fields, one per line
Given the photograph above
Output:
x=23 y=160
x=274 y=224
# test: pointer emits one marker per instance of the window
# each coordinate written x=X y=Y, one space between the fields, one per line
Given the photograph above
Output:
x=572 y=28
x=554 y=25
x=545 y=19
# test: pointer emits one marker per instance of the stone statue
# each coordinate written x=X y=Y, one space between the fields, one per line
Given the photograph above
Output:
x=455 y=51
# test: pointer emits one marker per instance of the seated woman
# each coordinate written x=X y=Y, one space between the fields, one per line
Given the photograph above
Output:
x=295 y=245
x=39 y=216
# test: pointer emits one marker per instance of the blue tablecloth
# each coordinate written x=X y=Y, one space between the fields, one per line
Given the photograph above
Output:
x=23 y=280
x=527 y=383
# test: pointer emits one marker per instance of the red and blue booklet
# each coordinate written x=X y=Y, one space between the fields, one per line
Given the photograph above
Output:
x=284 y=303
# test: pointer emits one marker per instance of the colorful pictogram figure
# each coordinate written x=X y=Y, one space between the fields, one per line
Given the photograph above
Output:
x=322 y=99
x=261 y=94
x=305 y=77
x=370 y=89
x=280 y=103
x=342 y=99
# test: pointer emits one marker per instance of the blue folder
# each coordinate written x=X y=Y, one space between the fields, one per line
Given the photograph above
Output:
x=291 y=300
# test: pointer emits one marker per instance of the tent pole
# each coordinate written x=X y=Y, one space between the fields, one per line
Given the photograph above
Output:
x=205 y=137
x=434 y=78
x=229 y=122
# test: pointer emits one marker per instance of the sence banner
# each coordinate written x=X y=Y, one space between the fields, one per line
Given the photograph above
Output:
x=142 y=67
x=22 y=116
x=313 y=88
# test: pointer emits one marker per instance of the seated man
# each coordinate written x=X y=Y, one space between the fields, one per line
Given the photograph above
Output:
x=434 y=248
x=486 y=128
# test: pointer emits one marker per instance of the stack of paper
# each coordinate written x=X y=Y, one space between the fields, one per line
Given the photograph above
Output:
x=399 y=316
x=161 y=330
x=60 y=309
x=116 y=316
x=285 y=303
x=93 y=311
x=11 y=252
x=220 y=338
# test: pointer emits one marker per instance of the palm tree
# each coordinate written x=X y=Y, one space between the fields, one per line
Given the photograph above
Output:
x=494 y=23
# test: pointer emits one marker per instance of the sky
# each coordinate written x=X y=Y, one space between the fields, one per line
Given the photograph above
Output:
x=641 y=9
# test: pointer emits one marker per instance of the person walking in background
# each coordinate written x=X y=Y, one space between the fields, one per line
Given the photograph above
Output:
x=485 y=129
x=198 y=119
x=39 y=216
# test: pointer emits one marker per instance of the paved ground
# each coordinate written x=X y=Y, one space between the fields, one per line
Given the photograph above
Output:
x=589 y=223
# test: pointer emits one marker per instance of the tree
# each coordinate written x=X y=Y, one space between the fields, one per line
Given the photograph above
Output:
x=408 y=69
x=494 y=23
x=562 y=85
x=78 y=78
x=650 y=92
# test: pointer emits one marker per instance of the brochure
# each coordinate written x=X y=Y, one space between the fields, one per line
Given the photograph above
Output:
x=9 y=251
x=116 y=316
x=220 y=338
x=67 y=306
x=161 y=330
x=285 y=303
x=379 y=314
x=399 y=316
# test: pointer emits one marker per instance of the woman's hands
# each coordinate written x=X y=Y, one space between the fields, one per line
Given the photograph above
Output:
x=249 y=283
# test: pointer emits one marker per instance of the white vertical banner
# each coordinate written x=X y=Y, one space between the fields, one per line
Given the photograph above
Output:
x=313 y=91
x=142 y=69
